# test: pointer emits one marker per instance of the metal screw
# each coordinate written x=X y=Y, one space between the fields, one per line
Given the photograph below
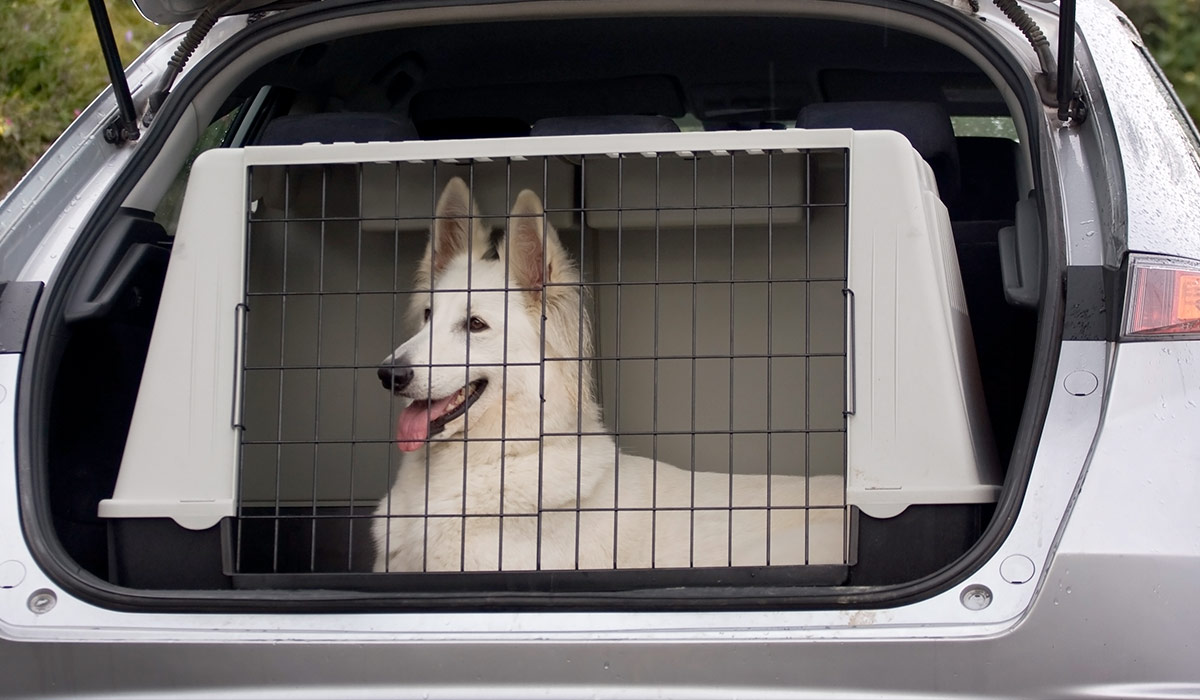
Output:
x=42 y=601
x=976 y=597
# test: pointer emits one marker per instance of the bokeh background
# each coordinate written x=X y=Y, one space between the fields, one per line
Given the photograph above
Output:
x=50 y=64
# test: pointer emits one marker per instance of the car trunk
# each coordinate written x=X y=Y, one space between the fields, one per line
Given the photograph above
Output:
x=773 y=292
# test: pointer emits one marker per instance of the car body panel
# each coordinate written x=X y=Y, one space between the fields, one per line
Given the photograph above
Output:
x=1156 y=142
x=1108 y=523
x=1053 y=483
x=175 y=11
x=1093 y=644
x=1142 y=462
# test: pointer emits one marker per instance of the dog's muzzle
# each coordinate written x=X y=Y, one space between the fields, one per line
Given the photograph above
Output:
x=395 y=379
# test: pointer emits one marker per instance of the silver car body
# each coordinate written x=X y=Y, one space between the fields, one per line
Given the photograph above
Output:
x=1090 y=594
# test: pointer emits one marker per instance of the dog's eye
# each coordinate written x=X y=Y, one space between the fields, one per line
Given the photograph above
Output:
x=477 y=324
x=428 y=313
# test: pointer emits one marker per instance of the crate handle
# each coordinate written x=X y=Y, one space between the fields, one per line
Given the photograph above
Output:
x=239 y=358
x=850 y=384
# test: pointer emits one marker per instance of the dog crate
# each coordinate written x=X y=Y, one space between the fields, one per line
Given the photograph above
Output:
x=785 y=304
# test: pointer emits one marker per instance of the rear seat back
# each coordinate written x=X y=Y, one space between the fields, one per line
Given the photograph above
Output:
x=336 y=127
x=614 y=124
x=988 y=168
x=926 y=125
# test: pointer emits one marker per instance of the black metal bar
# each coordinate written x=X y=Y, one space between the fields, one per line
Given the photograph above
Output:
x=433 y=265
x=568 y=433
x=617 y=366
x=241 y=371
x=695 y=319
x=358 y=277
x=541 y=470
x=589 y=509
x=770 y=344
x=581 y=347
x=316 y=448
x=808 y=272
x=283 y=284
x=1066 y=59
x=125 y=127
x=732 y=343
x=508 y=197
x=654 y=363
x=567 y=358
x=466 y=445
x=421 y=221
x=585 y=285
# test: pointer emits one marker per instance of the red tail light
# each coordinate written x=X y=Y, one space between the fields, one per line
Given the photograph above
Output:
x=1162 y=297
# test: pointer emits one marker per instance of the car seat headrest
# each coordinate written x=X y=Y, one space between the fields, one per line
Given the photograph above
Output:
x=926 y=125
x=615 y=124
x=336 y=127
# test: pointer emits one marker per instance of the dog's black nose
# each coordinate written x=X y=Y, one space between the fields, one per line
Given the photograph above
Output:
x=395 y=378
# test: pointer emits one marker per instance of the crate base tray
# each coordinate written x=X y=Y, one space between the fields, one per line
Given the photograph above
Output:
x=648 y=582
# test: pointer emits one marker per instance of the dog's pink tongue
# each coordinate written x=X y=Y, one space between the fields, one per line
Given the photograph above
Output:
x=412 y=428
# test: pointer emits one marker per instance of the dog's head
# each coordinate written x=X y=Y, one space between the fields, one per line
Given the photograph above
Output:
x=476 y=364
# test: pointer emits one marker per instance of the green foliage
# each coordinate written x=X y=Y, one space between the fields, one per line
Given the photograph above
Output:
x=1169 y=29
x=51 y=68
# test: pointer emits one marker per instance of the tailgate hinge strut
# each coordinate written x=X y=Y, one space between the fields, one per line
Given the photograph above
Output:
x=1071 y=106
x=187 y=46
x=1057 y=81
x=124 y=127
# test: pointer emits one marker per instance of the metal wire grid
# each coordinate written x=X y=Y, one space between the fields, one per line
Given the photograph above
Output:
x=317 y=238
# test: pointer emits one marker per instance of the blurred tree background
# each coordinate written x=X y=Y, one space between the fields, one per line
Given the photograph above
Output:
x=51 y=68
x=50 y=64
x=1169 y=28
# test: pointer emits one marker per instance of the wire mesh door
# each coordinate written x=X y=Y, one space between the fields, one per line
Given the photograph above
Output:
x=607 y=361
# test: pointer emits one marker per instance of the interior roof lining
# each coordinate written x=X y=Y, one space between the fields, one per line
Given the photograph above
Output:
x=214 y=93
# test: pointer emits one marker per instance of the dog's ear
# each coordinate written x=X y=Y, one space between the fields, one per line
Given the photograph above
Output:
x=457 y=230
x=531 y=247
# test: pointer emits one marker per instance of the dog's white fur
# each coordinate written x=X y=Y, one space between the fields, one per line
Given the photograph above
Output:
x=513 y=463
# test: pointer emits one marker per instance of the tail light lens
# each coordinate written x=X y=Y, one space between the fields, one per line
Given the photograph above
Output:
x=1162 y=297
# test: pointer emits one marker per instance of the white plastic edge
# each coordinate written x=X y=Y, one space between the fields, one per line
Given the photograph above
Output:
x=181 y=454
x=919 y=434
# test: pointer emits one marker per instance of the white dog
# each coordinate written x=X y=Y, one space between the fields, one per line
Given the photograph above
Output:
x=506 y=463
